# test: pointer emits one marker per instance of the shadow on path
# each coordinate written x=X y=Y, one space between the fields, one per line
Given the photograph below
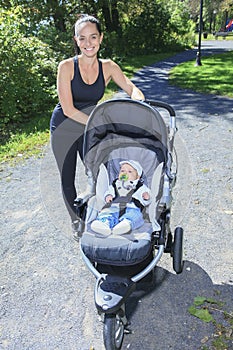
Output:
x=153 y=80
x=159 y=315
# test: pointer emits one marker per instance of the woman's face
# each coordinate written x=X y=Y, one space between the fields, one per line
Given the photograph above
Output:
x=127 y=172
x=88 y=39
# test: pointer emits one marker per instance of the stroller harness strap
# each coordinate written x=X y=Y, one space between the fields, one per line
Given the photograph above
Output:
x=124 y=200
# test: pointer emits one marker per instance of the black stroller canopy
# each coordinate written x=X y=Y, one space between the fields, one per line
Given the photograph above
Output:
x=123 y=123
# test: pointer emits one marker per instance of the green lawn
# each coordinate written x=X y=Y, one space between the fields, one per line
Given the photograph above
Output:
x=214 y=76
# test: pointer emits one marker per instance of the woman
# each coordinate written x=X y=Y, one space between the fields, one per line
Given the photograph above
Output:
x=81 y=82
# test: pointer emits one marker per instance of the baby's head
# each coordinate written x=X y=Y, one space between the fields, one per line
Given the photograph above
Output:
x=130 y=170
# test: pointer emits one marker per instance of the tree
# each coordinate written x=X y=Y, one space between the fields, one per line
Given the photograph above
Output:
x=215 y=12
x=34 y=36
x=28 y=71
x=111 y=15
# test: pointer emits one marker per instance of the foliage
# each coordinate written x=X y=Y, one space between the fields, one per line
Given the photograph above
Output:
x=61 y=44
x=213 y=76
x=28 y=139
x=34 y=38
x=210 y=310
x=200 y=311
x=148 y=27
x=27 y=71
x=215 y=13
x=182 y=27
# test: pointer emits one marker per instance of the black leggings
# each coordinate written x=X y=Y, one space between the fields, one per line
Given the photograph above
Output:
x=65 y=145
x=67 y=142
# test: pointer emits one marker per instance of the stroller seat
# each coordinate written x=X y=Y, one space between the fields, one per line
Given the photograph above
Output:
x=131 y=248
x=117 y=131
x=120 y=250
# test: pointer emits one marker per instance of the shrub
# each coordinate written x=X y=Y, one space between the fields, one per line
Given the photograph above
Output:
x=28 y=71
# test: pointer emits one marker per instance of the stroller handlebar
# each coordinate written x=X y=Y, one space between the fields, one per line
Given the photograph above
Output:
x=162 y=105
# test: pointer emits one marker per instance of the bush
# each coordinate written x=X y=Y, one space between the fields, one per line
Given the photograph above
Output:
x=27 y=72
x=147 y=30
x=149 y=27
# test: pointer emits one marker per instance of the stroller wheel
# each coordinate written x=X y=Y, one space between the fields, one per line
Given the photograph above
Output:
x=177 y=250
x=113 y=331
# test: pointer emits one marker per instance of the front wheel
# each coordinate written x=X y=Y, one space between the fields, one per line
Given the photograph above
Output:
x=113 y=332
x=177 y=250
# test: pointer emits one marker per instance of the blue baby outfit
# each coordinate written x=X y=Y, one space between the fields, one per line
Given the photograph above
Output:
x=127 y=195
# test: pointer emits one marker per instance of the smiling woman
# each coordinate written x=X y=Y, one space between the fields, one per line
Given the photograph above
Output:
x=81 y=82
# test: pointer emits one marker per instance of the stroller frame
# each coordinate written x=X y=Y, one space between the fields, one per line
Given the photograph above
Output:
x=111 y=292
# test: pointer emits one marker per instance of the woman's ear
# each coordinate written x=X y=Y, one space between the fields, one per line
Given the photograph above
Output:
x=101 y=37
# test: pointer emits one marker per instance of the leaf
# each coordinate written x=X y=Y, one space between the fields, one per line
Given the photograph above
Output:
x=199 y=301
x=202 y=314
x=205 y=170
x=212 y=301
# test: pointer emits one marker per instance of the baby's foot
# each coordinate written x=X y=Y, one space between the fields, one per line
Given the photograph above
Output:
x=122 y=228
x=101 y=227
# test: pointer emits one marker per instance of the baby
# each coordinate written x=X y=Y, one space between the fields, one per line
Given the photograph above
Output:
x=125 y=200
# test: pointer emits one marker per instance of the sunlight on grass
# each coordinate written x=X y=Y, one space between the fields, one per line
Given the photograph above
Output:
x=23 y=145
x=214 y=76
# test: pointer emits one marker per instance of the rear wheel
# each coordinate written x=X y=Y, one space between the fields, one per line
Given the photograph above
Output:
x=113 y=332
x=177 y=250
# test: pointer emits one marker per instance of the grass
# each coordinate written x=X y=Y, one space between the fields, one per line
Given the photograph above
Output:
x=214 y=76
x=27 y=140
x=212 y=37
x=24 y=140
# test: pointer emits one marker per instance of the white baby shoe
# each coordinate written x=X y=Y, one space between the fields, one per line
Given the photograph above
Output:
x=122 y=228
x=101 y=227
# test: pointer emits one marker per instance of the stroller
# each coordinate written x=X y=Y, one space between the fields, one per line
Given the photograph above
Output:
x=118 y=130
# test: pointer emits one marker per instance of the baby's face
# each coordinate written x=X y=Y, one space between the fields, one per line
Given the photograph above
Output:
x=129 y=172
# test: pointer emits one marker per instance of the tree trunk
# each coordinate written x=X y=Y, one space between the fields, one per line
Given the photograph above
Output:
x=58 y=13
x=111 y=16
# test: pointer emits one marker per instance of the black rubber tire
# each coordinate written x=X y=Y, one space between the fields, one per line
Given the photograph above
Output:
x=177 y=250
x=113 y=332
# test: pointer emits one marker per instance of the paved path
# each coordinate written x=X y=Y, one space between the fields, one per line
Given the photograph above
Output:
x=47 y=292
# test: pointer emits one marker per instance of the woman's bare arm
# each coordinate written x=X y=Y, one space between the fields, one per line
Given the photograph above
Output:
x=64 y=77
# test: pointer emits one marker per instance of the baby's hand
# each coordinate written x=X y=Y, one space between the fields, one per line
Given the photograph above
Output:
x=146 y=196
x=109 y=198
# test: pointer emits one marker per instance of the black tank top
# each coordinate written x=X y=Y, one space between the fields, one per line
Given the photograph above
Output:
x=85 y=95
